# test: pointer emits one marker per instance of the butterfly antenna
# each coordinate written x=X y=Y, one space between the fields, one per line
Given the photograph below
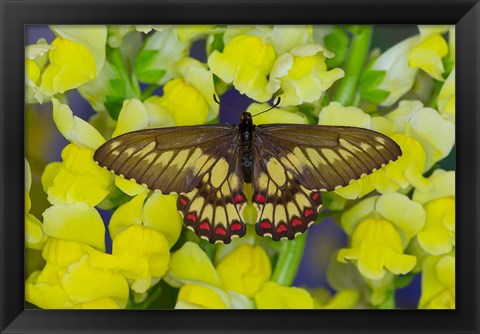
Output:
x=215 y=98
x=277 y=102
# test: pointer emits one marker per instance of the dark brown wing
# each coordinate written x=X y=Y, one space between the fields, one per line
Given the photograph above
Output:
x=201 y=163
x=294 y=162
x=172 y=160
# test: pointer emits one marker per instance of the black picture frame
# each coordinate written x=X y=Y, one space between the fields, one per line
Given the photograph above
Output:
x=465 y=14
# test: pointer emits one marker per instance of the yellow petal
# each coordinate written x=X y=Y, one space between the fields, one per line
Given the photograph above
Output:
x=84 y=283
x=70 y=221
x=435 y=238
x=71 y=65
x=92 y=37
x=275 y=116
x=403 y=212
x=336 y=114
x=427 y=55
x=245 y=61
x=200 y=296
x=133 y=116
x=62 y=252
x=142 y=252
x=126 y=215
x=160 y=213
x=245 y=269
x=190 y=263
x=275 y=296
x=75 y=129
x=78 y=178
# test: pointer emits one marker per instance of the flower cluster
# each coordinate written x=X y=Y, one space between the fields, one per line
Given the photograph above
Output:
x=97 y=240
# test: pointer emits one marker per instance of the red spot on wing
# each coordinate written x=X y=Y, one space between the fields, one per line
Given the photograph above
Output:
x=266 y=224
x=192 y=217
x=315 y=196
x=236 y=226
x=308 y=212
x=205 y=225
x=281 y=228
x=259 y=198
x=296 y=222
x=220 y=230
x=183 y=201
x=238 y=198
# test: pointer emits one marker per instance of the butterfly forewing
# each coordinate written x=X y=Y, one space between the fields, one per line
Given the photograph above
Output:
x=294 y=162
x=199 y=163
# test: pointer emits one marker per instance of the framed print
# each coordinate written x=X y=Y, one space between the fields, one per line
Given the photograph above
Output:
x=208 y=166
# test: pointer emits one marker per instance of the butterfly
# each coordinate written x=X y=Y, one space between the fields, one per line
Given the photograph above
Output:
x=210 y=166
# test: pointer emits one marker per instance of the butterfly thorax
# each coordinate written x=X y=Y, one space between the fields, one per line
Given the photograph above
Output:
x=246 y=129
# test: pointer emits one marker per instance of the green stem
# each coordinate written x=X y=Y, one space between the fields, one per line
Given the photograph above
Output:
x=287 y=265
x=116 y=60
x=355 y=62
x=437 y=86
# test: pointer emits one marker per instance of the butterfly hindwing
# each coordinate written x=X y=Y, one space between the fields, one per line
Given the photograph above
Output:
x=284 y=207
x=212 y=210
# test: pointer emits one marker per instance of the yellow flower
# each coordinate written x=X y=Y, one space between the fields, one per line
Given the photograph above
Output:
x=75 y=57
x=275 y=296
x=302 y=74
x=446 y=98
x=377 y=246
x=68 y=280
x=193 y=32
x=245 y=269
x=193 y=296
x=34 y=236
x=70 y=221
x=276 y=115
x=427 y=54
x=158 y=212
x=282 y=38
x=402 y=61
x=438 y=283
x=184 y=102
x=438 y=235
x=344 y=299
x=76 y=179
x=436 y=134
x=237 y=277
x=380 y=228
x=246 y=61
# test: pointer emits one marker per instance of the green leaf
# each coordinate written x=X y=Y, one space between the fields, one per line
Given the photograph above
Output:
x=116 y=87
x=404 y=280
x=145 y=58
x=371 y=79
x=144 y=69
x=150 y=76
x=113 y=104
x=217 y=43
x=375 y=96
x=337 y=42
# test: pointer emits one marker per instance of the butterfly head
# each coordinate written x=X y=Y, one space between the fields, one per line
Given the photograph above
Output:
x=246 y=119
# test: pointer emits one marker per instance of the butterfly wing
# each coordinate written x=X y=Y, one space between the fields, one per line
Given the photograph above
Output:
x=200 y=163
x=293 y=163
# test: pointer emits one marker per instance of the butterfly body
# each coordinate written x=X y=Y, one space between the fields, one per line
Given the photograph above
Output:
x=287 y=165
x=246 y=131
